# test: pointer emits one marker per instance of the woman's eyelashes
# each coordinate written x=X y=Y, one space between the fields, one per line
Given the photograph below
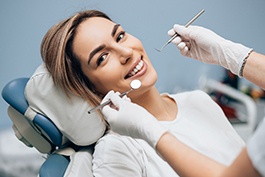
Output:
x=120 y=36
x=101 y=58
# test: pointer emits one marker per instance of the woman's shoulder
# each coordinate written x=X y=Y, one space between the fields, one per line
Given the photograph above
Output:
x=113 y=142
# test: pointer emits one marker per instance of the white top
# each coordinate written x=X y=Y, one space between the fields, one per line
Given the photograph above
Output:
x=256 y=148
x=200 y=123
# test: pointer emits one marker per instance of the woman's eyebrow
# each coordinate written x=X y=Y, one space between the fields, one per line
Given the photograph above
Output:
x=114 y=30
x=96 y=50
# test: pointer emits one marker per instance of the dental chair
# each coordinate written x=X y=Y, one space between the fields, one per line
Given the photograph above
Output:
x=53 y=123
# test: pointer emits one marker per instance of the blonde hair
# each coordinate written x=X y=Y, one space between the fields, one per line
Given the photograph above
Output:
x=60 y=60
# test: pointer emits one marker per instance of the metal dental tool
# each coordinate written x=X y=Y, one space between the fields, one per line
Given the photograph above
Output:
x=135 y=84
x=176 y=34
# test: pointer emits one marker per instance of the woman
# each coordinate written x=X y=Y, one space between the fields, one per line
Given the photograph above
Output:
x=89 y=55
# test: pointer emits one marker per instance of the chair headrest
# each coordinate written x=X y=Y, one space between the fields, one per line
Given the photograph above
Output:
x=68 y=113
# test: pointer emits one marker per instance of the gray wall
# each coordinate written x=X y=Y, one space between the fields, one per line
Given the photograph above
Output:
x=24 y=23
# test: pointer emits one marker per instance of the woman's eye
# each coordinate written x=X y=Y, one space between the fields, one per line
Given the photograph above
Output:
x=101 y=59
x=120 y=36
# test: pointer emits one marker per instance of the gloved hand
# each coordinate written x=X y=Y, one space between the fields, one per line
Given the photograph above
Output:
x=204 y=45
x=127 y=118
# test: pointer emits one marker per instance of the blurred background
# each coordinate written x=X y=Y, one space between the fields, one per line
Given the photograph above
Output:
x=24 y=23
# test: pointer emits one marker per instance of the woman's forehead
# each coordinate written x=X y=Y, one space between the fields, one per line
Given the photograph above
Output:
x=96 y=24
x=95 y=30
x=92 y=32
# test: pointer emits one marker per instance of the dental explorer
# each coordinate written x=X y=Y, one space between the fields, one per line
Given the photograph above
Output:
x=135 y=84
x=176 y=34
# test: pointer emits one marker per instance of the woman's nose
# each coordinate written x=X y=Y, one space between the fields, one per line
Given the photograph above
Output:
x=125 y=54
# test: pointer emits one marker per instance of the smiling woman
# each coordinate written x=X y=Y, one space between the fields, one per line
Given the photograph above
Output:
x=89 y=55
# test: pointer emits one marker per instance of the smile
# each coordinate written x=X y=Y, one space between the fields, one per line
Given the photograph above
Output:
x=136 y=69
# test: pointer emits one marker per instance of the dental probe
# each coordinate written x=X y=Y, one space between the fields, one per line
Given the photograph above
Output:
x=135 y=84
x=176 y=34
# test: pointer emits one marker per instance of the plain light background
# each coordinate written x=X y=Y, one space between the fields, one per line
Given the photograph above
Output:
x=24 y=23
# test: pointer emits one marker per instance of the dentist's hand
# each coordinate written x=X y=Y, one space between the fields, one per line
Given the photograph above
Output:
x=205 y=45
x=127 y=118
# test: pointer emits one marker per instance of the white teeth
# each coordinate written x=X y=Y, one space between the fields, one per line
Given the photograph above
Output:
x=137 y=68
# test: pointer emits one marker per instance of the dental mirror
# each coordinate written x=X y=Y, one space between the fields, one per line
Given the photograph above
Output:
x=135 y=84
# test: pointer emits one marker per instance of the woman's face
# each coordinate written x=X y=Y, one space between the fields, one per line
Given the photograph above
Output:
x=112 y=58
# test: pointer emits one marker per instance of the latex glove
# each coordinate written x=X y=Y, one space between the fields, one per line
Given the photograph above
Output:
x=256 y=148
x=205 y=45
x=130 y=119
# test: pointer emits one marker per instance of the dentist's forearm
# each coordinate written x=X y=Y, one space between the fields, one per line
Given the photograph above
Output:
x=186 y=161
x=241 y=167
x=254 y=69
x=190 y=163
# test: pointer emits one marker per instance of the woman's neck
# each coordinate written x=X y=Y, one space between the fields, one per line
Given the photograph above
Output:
x=161 y=107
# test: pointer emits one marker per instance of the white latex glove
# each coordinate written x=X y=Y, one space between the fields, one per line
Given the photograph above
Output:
x=256 y=148
x=205 y=45
x=127 y=118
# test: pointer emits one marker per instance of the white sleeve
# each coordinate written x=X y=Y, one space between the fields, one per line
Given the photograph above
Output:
x=256 y=148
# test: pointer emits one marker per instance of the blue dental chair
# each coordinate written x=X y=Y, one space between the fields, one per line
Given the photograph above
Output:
x=38 y=132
